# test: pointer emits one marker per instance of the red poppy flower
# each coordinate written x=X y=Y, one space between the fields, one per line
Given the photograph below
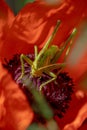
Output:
x=32 y=26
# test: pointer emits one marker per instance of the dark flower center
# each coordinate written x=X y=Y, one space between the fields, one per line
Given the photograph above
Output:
x=57 y=93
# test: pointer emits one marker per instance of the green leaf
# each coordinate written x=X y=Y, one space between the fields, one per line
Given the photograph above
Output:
x=17 y=5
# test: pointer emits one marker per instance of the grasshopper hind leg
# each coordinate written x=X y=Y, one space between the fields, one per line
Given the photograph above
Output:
x=50 y=80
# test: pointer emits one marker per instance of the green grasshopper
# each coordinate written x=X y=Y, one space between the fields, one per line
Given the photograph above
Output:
x=46 y=60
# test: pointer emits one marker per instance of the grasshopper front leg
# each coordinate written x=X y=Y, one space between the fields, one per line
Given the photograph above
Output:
x=22 y=59
x=49 y=81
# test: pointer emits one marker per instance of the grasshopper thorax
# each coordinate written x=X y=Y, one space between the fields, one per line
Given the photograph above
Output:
x=35 y=72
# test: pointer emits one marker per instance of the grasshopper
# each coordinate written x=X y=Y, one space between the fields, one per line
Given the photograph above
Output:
x=46 y=60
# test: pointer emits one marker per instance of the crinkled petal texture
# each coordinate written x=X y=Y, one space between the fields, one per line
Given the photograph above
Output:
x=6 y=19
x=76 y=116
x=32 y=26
x=35 y=23
x=79 y=119
x=15 y=112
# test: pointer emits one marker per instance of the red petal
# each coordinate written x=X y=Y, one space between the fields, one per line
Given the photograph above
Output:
x=75 y=118
x=15 y=112
x=76 y=115
x=77 y=123
x=6 y=18
x=35 y=23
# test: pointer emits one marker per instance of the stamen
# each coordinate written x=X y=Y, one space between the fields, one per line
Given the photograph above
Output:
x=57 y=93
